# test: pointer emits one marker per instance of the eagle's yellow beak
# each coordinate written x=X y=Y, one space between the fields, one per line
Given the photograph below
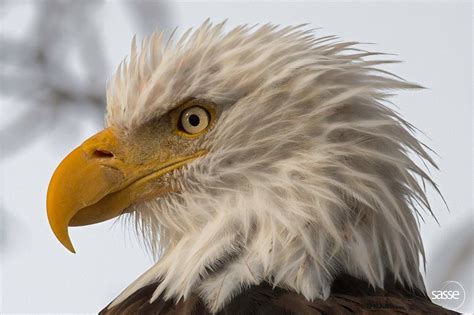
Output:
x=101 y=178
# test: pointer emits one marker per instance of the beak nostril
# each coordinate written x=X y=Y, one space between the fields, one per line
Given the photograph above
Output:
x=102 y=154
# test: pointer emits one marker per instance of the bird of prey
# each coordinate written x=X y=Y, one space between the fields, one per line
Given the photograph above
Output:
x=264 y=169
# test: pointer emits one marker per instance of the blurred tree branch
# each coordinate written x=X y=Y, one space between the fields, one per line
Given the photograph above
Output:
x=151 y=15
x=37 y=69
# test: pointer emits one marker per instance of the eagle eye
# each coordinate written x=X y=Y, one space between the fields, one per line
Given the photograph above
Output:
x=194 y=120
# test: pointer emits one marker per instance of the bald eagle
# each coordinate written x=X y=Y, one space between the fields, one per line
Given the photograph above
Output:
x=265 y=171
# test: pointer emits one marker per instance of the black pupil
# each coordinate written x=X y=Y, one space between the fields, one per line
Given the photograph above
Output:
x=194 y=120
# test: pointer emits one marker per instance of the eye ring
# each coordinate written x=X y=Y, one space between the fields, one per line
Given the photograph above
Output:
x=194 y=120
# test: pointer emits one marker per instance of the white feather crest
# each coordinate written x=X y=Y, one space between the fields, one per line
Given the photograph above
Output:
x=309 y=172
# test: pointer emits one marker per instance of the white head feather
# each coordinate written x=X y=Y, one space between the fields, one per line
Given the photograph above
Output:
x=308 y=174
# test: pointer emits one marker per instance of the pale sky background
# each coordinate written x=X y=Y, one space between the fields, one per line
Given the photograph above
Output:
x=434 y=40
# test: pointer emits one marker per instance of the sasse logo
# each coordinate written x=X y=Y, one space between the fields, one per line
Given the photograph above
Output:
x=446 y=295
x=451 y=295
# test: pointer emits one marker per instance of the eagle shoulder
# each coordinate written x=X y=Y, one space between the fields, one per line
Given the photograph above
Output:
x=348 y=296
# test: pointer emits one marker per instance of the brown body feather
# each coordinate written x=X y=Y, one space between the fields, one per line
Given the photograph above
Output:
x=349 y=296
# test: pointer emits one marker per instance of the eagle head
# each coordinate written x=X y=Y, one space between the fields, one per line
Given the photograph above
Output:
x=261 y=154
